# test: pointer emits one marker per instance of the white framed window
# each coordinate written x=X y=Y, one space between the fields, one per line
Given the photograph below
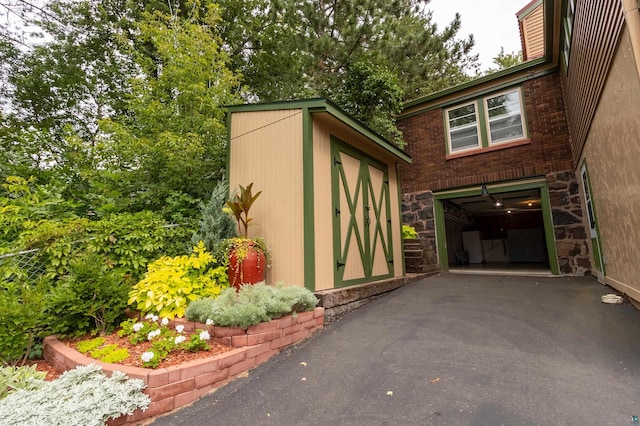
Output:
x=463 y=127
x=505 y=121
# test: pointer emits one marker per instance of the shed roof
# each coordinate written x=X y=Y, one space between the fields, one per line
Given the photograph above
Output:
x=325 y=106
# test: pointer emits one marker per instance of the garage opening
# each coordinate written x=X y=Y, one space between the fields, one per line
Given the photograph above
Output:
x=502 y=232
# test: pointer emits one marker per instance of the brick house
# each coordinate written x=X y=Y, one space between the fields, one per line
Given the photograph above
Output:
x=537 y=165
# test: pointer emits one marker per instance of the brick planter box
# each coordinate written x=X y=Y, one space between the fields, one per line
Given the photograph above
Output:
x=176 y=386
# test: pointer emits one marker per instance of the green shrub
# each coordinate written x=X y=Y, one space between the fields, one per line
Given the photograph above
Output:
x=23 y=321
x=91 y=298
x=172 y=282
x=409 y=232
x=110 y=353
x=88 y=345
x=84 y=396
x=251 y=305
x=14 y=378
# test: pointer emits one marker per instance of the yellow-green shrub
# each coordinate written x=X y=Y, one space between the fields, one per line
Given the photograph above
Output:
x=172 y=282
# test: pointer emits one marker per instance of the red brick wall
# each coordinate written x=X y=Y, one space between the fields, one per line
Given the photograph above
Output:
x=548 y=151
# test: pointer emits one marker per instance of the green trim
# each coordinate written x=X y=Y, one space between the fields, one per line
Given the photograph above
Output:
x=228 y=159
x=482 y=116
x=358 y=199
x=441 y=234
x=525 y=67
x=479 y=93
x=308 y=201
x=549 y=232
x=320 y=105
x=400 y=222
x=597 y=249
x=528 y=9
x=497 y=188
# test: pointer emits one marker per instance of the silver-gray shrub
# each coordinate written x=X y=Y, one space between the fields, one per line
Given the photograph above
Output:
x=84 y=396
x=253 y=304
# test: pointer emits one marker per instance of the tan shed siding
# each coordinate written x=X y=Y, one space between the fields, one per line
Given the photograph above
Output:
x=266 y=148
x=533 y=34
x=323 y=128
x=612 y=151
x=597 y=27
x=323 y=224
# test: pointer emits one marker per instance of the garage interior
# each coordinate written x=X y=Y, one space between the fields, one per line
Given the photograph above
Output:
x=496 y=232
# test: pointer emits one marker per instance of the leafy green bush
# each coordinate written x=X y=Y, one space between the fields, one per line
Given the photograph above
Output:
x=409 y=232
x=22 y=319
x=88 y=345
x=90 y=298
x=110 y=353
x=14 y=378
x=84 y=396
x=251 y=305
x=172 y=282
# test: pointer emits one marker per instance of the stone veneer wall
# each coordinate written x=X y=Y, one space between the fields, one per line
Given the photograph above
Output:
x=566 y=207
x=570 y=233
x=417 y=211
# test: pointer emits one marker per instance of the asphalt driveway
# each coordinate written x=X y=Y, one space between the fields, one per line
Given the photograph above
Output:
x=450 y=350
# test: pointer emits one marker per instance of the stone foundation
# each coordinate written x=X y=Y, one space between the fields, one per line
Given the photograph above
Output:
x=570 y=233
x=417 y=211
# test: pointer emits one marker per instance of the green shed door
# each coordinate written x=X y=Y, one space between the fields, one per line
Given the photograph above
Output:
x=361 y=217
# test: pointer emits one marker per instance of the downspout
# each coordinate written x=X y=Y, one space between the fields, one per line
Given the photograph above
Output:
x=632 y=17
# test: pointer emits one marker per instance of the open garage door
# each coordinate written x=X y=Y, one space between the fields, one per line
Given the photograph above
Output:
x=496 y=229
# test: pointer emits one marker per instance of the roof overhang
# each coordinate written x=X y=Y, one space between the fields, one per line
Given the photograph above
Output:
x=503 y=78
x=324 y=106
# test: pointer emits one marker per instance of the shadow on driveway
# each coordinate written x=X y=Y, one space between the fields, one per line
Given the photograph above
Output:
x=452 y=350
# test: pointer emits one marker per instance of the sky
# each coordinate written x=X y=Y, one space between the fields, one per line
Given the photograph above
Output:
x=493 y=24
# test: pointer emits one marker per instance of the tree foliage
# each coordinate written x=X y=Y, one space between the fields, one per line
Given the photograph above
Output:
x=121 y=102
x=505 y=60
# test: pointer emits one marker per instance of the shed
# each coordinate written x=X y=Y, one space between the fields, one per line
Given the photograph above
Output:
x=330 y=207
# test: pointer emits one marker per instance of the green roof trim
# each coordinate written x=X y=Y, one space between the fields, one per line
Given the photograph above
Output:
x=499 y=75
x=528 y=9
x=321 y=105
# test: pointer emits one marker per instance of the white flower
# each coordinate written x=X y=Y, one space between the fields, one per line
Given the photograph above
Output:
x=137 y=326
x=147 y=356
x=149 y=316
x=204 y=335
x=180 y=328
x=165 y=321
x=209 y=321
x=153 y=334
x=179 y=339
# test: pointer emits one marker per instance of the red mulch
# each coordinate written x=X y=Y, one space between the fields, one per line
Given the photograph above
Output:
x=135 y=351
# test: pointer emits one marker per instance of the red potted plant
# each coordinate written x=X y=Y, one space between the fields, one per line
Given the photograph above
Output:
x=247 y=257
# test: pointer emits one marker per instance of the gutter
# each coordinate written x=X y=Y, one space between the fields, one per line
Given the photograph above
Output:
x=632 y=18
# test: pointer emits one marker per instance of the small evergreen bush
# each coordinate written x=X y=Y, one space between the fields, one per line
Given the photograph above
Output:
x=215 y=225
x=84 y=396
x=253 y=304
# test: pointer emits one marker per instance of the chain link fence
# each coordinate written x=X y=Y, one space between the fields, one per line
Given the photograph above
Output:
x=28 y=261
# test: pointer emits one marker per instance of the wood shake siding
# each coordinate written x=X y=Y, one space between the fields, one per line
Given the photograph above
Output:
x=596 y=31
